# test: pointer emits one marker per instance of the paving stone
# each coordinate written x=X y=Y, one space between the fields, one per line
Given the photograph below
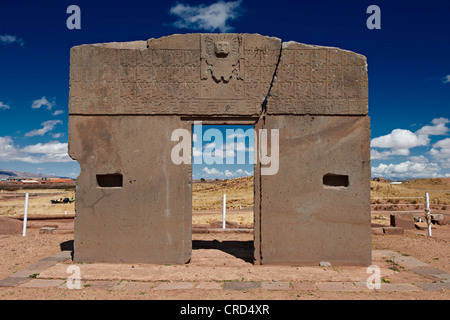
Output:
x=209 y=285
x=409 y=262
x=444 y=277
x=391 y=287
x=275 y=285
x=304 y=286
x=99 y=284
x=245 y=285
x=385 y=253
x=60 y=256
x=41 y=283
x=174 y=286
x=336 y=286
x=35 y=268
x=434 y=286
x=13 y=281
x=362 y=285
x=426 y=270
x=135 y=286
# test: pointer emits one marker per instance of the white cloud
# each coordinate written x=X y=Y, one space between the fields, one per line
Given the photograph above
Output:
x=47 y=126
x=377 y=155
x=57 y=112
x=3 y=106
x=8 y=39
x=437 y=129
x=446 y=79
x=440 y=120
x=406 y=169
x=40 y=153
x=57 y=135
x=399 y=141
x=213 y=172
x=441 y=152
x=203 y=17
x=37 y=104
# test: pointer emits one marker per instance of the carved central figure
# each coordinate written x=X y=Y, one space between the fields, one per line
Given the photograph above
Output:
x=221 y=57
x=222 y=49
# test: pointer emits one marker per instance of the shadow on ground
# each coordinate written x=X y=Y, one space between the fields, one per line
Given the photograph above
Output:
x=240 y=249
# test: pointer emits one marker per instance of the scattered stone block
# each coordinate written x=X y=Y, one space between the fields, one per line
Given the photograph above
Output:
x=378 y=230
x=47 y=230
x=324 y=264
x=438 y=218
x=402 y=220
x=393 y=230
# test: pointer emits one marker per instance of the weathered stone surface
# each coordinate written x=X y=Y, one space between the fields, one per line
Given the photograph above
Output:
x=147 y=218
x=302 y=219
x=319 y=80
x=180 y=74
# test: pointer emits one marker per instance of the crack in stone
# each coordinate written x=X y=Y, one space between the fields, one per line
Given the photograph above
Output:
x=261 y=116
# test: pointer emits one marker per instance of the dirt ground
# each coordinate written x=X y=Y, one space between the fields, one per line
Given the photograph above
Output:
x=214 y=251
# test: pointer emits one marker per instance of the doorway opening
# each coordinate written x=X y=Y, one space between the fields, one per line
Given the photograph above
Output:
x=223 y=167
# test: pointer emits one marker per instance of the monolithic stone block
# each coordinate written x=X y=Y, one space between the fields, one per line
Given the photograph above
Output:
x=318 y=203
x=133 y=203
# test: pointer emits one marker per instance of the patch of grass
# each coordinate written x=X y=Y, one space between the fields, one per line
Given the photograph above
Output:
x=394 y=265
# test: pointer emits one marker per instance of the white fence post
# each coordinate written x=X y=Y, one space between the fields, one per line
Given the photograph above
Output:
x=25 y=215
x=428 y=213
x=224 y=211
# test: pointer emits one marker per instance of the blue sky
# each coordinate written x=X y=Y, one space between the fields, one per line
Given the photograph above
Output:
x=408 y=58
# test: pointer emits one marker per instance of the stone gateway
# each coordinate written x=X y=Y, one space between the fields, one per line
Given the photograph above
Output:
x=134 y=204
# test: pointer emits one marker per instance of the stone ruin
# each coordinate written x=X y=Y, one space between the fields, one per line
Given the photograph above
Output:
x=134 y=204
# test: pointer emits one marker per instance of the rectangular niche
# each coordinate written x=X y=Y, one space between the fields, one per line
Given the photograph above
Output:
x=110 y=180
x=335 y=181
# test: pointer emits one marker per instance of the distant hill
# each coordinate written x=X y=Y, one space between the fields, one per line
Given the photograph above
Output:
x=7 y=174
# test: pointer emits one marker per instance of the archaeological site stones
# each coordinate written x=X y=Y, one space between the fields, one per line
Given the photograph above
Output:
x=134 y=204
